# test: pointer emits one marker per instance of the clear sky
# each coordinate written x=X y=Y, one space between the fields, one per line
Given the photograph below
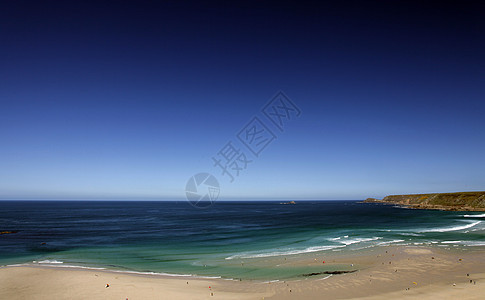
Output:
x=128 y=100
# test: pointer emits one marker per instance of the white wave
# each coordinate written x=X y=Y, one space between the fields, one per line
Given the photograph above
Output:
x=377 y=245
x=454 y=228
x=338 y=238
x=358 y=240
x=132 y=272
x=16 y=265
x=158 y=274
x=475 y=216
x=474 y=243
x=270 y=281
x=231 y=279
x=139 y=273
x=47 y=261
x=410 y=234
x=326 y=277
x=288 y=252
x=389 y=242
x=76 y=267
x=465 y=243
x=402 y=206
x=60 y=264
x=196 y=276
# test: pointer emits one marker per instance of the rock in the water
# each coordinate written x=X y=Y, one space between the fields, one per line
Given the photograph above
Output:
x=328 y=273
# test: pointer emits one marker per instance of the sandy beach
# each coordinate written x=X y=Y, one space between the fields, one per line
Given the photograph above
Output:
x=384 y=272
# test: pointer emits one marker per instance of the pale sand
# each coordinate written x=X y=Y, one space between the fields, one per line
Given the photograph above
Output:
x=377 y=279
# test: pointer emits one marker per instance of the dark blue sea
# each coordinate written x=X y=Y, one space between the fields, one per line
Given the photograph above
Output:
x=177 y=239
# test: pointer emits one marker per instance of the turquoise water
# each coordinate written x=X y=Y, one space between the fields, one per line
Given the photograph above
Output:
x=229 y=240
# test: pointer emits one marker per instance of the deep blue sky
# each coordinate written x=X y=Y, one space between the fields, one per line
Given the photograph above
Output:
x=120 y=100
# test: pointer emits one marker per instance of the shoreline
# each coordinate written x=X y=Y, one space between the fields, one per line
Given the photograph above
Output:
x=339 y=261
x=397 y=271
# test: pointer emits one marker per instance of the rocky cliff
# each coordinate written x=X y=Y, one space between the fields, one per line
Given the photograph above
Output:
x=466 y=201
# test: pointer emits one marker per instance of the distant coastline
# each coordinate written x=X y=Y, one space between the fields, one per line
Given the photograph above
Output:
x=461 y=201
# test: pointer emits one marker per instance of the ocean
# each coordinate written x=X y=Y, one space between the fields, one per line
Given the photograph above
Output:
x=231 y=240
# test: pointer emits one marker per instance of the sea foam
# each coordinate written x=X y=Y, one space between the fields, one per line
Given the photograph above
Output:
x=358 y=240
x=343 y=241
x=288 y=252
x=475 y=216
x=454 y=228
x=47 y=261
